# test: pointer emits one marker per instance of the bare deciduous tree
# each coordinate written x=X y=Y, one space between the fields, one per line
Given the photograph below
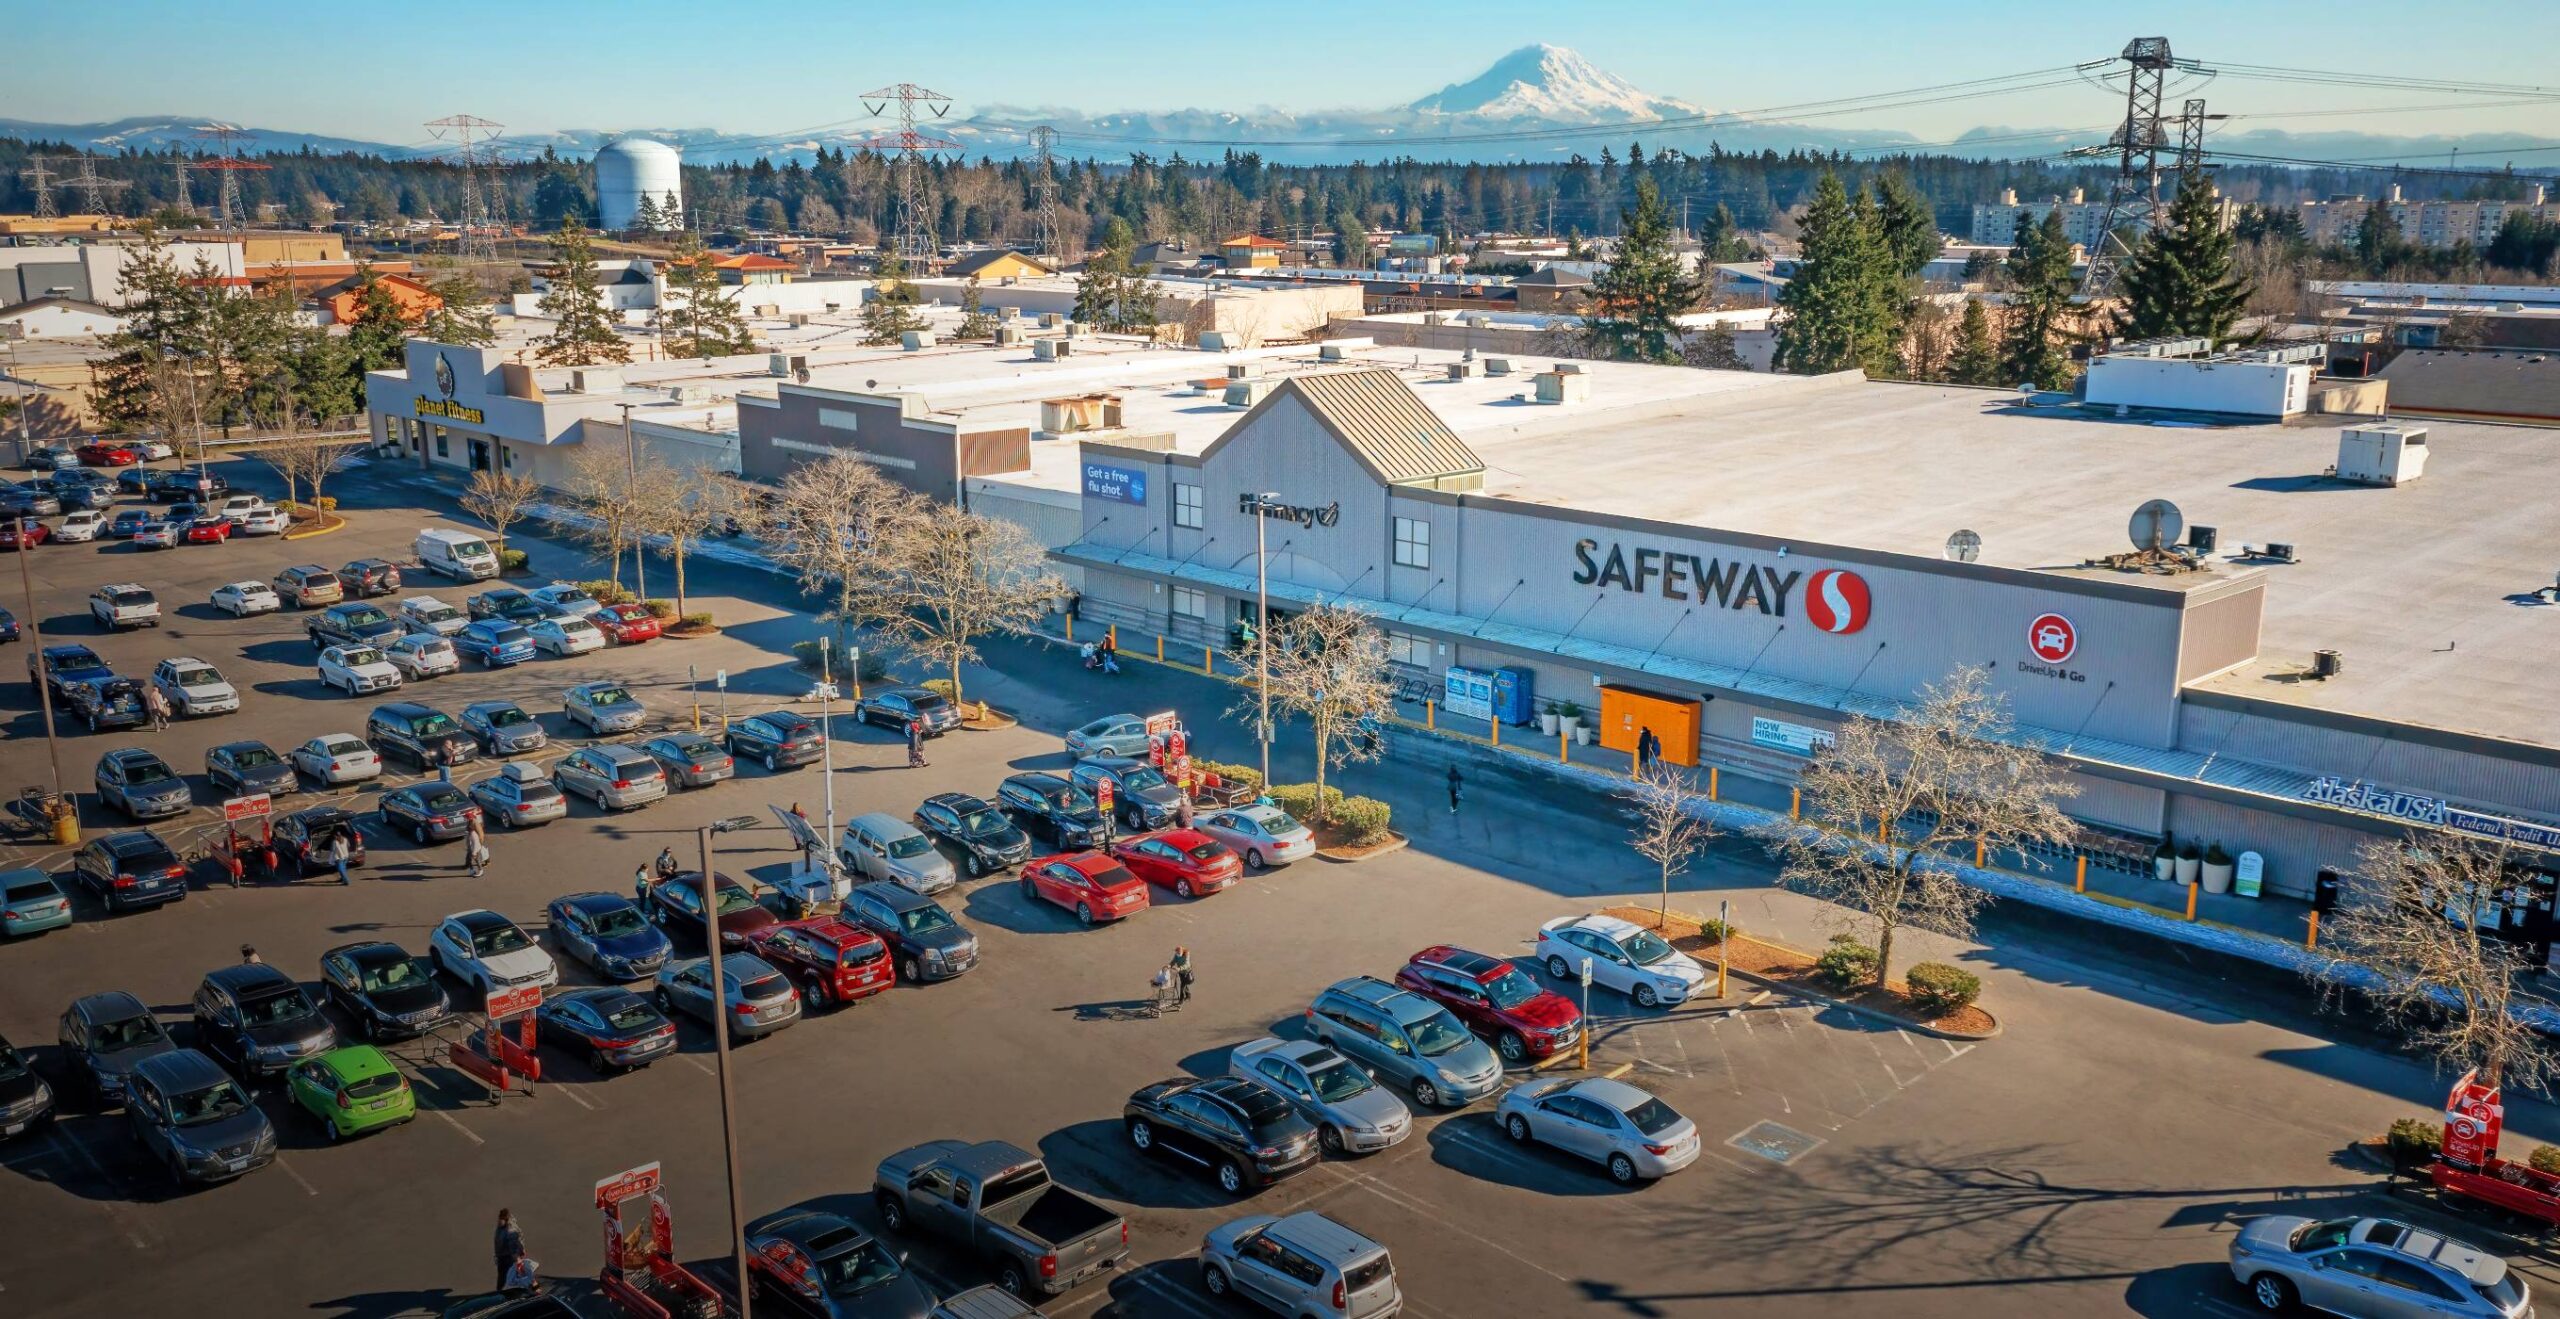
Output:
x=1668 y=833
x=499 y=499
x=952 y=579
x=683 y=504
x=600 y=487
x=329 y=454
x=2420 y=916
x=1329 y=665
x=1938 y=779
x=831 y=521
x=288 y=459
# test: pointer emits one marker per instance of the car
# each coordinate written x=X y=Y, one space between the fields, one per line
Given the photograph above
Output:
x=495 y=644
x=306 y=585
x=427 y=614
x=1624 y=1129
x=354 y=623
x=80 y=526
x=988 y=843
x=614 y=777
x=676 y=905
x=157 y=535
x=193 y=687
x=1141 y=797
x=895 y=707
x=8 y=626
x=104 y=1036
x=184 y=484
x=1497 y=1000
x=337 y=758
x=565 y=635
x=130 y=869
x=420 y=657
x=626 y=624
x=258 y=1020
x=426 y=735
x=1090 y=884
x=263 y=522
x=232 y=508
x=2372 y=1266
x=181 y=515
x=370 y=577
x=1264 y=836
x=108 y=702
x=603 y=707
x=239 y=769
x=778 y=738
x=519 y=797
x=134 y=481
x=388 y=993
x=194 y=1120
x=26 y=1102
x=691 y=760
x=834 y=961
x=352 y=1090
x=1112 y=735
x=1187 y=861
x=128 y=522
x=1240 y=1132
x=152 y=450
x=618 y=1030
x=358 y=670
x=430 y=812
x=1406 y=1040
x=1050 y=808
x=807 y=1262
x=206 y=529
x=304 y=841
x=504 y=602
x=47 y=458
x=755 y=999
x=1352 y=1113
x=1303 y=1264
x=124 y=605
x=484 y=949
x=1622 y=955
x=879 y=845
x=22 y=506
x=31 y=902
x=927 y=942
x=66 y=664
x=99 y=453
x=503 y=727
x=562 y=600
x=142 y=785
x=246 y=599
x=609 y=933
x=79 y=497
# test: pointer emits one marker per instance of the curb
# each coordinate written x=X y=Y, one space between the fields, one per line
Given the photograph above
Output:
x=1872 y=1014
x=1395 y=843
x=322 y=530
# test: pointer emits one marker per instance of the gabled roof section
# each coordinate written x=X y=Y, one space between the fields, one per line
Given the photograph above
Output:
x=1384 y=424
x=1252 y=240
x=977 y=261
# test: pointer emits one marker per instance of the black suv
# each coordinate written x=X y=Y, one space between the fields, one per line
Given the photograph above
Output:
x=130 y=869
x=1142 y=797
x=183 y=484
x=988 y=843
x=389 y=994
x=1049 y=807
x=1241 y=1134
x=370 y=577
x=258 y=1020
x=67 y=664
x=426 y=735
x=930 y=945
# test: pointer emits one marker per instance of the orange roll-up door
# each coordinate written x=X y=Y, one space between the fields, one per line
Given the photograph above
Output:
x=1625 y=713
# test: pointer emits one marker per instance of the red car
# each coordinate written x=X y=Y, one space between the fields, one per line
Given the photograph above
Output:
x=36 y=533
x=1185 y=860
x=833 y=961
x=676 y=905
x=1090 y=884
x=625 y=625
x=1525 y=1019
x=106 y=455
x=207 y=531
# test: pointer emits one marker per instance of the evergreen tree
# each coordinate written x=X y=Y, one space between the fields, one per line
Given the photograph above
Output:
x=645 y=218
x=1977 y=356
x=702 y=318
x=1637 y=302
x=376 y=336
x=1906 y=224
x=2379 y=243
x=583 y=332
x=135 y=384
x=1350 y=240
x=1834 y=314
x=464 y=319
x=671 y=211
x=1714 y=350
x=975 y=323
x=890 y=312
x=2180 y=280
x=2039 y=300
x=1113 y=294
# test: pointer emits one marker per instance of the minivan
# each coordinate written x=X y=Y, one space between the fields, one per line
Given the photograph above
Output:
x=1304 y=1263
x=882 y=846
x=459 y=555
x=1406 y=1040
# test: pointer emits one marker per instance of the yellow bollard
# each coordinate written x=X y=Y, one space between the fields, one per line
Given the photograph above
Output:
x=2192 y=890
x=2312 y=939
x=66 y=826
x=1714 y=783
x=1431 y=715
x=1795 y=804
x=1497 y=732
x=1564 y=748
x=1978 y=851
x=1111 y=634
x=1071 y=625
x=2080 y=880
x=1159 y=649
x=1208 y=660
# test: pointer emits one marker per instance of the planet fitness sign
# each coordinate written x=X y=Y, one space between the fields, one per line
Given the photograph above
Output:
x=1836 y=599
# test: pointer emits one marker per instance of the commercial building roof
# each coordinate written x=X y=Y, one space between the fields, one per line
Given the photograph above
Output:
x=2493 y=386
x=1386 y=426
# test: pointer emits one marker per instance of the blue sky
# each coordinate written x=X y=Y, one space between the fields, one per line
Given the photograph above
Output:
x=377 y=70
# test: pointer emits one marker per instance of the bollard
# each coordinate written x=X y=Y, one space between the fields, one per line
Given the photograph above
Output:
x=1564 y=748
x=1111 y=635
x=2080 y=880
x=2312 y=939
x=1431 y=716
x=1071 y=625
x=1497 y=732
x=2192 y=890
x=1159 y=648
x=1714 y=784
x=1978 y=851
x=1795 y=804
x=1208 y=661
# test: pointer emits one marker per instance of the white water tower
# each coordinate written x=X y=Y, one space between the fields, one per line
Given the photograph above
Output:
x=630 y=168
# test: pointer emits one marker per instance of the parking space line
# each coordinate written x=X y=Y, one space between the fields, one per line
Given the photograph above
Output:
x=133 y=1227
x=698 y=1064
x=581 y=1100
x=1416 y=1206
x=451 y=1121
x=308 y=1188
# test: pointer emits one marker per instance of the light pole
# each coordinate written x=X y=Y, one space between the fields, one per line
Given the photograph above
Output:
x=1262 y=625
x=44 y=671
x=827 y=727
x=720 y=1041
x=19 y=386
x=630 y=483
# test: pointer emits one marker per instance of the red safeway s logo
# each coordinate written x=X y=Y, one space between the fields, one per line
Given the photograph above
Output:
x=1836 y=600
x=2052 y=638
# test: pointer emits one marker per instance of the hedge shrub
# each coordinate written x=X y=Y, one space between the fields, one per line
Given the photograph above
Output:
x=2414 y=1142
x=1247 y=775
x=1299 y=799
x=806 y=654
x=661 y=610
x=606 y=591
x=1846 y=964
x=327 y=503
x=941 y=687
x=696 y=620
x=1938 y=989
x=874 y=666
x=512 y=560
x=1713 y=930
x=1362 y=820
x=2545 y=1158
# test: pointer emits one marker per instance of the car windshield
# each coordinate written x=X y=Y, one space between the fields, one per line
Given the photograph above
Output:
x=1645 y=947
x=343 y=747
x=1437 y=1034
x=1510 y=989
x=1069 y=799
x=366 y=616
x=506 y=636
x=1652 y=1117
x=149 y=771
x=857 y=1270
x=430 y=725
x=212 y=1104
x=33 y=890
x=735 y=900
x=618 y=922
x=926 y=919
x=911 y=845
x=13 y=1065
x=1141 y=779
x=274 y=1009
x=979 y=823
x=1206 y=851
x=607 y=696
x=442 y=799
x=764 y=987
x=396 y=975
x=1339 y=1081
x=2321 y=1236
x=568 y=595
x=130 y=1033
x=131 y=595
x=198 y=676
x=633 y=1014
x=360 y=655
x=433 y=613
x=507 y=717
x=502 y=939
x=252 y=757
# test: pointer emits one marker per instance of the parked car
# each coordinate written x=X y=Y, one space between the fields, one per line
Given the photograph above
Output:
x=1497 y=1000
x=1263 y=835
x=388 y=993
x=997 y=1202
x=2372 y=1266
x=988 y=843
x=305 y=840
x=485 y=950
x=985 y=1301
x=1187 y=861
x=157 y=534
x=503 y=727
x=104 y=1036
x=246 y=599
x=1352 y=1113
x=352 y=1090
x=1051 y=808
x=603 y=707
x=690 y=760
x=1408 y=1040
x=66 y=664
x=504 y=602
x=194 y=1120
x=103 y=703
x=616 y=1029
x=609 y=933
x=1090 y=884
x=206 y=529
x=8 y=626
x=232 y=508
x=1111 y=735
x=807 y=1262
x=100 y=453
x=141 y=784
x=135 y=481
x=676 y=905
x=419 y=657
x=1141 y=798
x=562 y=600
x=430 y=812
x=495 y=644
x=307 y=585
x=238 y=769
x=879 y=845
x=565 y=635
x=755 y=999
x=153 y=450
x=130 y=869
x=426 y=735
x=124 y=605
x=1624 y=956
x=626 y=624
x=184 y=484
x=927 y=942
x=834 y=961
x=22 y=504
x=358 y=670
x=194 y=687
x=1634 y=1135
x=777 y=738
x=263 y=522
x=1239 y=1132
x=25 y=1100
x=1302 y=1264
x=519 y=797
x=427 y=614
x=48 y=458
x=354 y=623
x=370 y=577
x=255 y=1018
x=80 y=526
x=614 y=777
x=336 y=758
x=31 y=902
x=895 y=707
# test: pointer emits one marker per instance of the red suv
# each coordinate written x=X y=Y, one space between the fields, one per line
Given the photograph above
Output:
x=833 y=961
x=1525 y=1019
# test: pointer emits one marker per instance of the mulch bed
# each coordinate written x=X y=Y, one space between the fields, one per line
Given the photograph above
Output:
x=681 y=630
x=1793 y=968
x=985 y=718
x=1330 y=847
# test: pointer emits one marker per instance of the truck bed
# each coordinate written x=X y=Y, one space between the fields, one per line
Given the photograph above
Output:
x=1053 y=1216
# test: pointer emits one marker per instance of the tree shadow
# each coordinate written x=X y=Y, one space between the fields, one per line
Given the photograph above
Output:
x=1095 y=1157
x=1472 y=1145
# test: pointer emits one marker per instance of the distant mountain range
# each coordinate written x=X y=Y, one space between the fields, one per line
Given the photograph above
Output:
x=1538 y=103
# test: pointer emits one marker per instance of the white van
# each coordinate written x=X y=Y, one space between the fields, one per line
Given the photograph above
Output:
x=461 y=555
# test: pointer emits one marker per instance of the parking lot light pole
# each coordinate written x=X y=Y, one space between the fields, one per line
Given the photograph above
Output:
x=1585 y=1063
x=720 y=1040
x=43 y=670
x=1262 y=626
x=693 y=680
x=1724 y=943
x=630 y=483
x=827 y=729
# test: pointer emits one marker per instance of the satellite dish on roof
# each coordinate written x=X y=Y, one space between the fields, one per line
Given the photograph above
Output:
x=2156 y=525
x=1965 y=546
x=801 y=374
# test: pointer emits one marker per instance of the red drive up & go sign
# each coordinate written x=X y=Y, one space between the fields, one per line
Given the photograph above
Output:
x=2052 y=638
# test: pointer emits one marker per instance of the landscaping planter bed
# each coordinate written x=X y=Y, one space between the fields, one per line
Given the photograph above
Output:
x=1791 y=968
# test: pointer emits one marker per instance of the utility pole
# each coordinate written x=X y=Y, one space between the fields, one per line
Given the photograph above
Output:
x=827 y=726
x=720 y=1041
x=1255 y=505
x=913 y=241
x=44 y=670
x=630 y=485
x=2137 y=143
x=1043 y=139
x=185 y=205
x=227 y=213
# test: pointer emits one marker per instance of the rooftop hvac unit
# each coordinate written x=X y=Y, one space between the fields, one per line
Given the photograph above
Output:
x=1246 y=392
x=1561 y=386
x=1462 y=370
x=799 y=320
x=2282 y=551
x=1050 y=350
x=2382 y=455
x=1050 y=320
x=1497 y=366
x=595 y=380
x=1330 y=352
x=2325 y=664
x=777 y=364
x=1008 y=313
x=916 y=341
x=1216 y=341
x=2186 y=346
x=1240 y=370
x=1009 y=335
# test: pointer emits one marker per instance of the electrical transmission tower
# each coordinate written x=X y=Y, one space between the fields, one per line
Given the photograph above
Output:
x=227 y=210
x=1043 y=140
x=913 y=241
x=94 y=191
x=42 y=180
x=479 y=226
x=2137 y=144
x=186 y=204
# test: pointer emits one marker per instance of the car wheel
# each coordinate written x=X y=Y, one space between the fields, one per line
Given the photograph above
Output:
x=335 y=1135
x=772 y=763
x=1183 y=887
x=1514 y=1050
x=1213 y=1280
x=666 y=1004
x=1029 y=889
x=2273 y=1294
x=817 y=994
x=1622 y=1170
x=597 y=1061
x=907 y=971
x=1425 y=1093
x=1231 y=1178
x=419 y=832
x=1011 y=1276
x=368 y=1027
x=1516 y=1127
x=435 y=955
x=1142 y=1135
x=1084 y=913
x=1556 y=967
x=1253 y=859
x=893 y=1212
x=1646 y=998
x=974 y=866
x=1329 y=1136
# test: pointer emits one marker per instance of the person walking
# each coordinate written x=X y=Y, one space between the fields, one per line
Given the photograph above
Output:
x=509 y=1245
x=1181 y=968
x=1456 y=785
x=640 y=880
x=1182 y=811
x=915 y=743
x=475 y=847
x=249 y=956
x=339 y=852
x=1647 y=747
x=667 y=865
x=158 y=705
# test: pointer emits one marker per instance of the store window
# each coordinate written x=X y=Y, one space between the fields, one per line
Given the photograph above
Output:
x=1189 y=602
x=444 y=448
x=1406 y=648
x=1413 y=543
x=1186 y=505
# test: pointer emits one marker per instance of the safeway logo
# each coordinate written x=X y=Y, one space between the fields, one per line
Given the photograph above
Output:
x=1836 y=600
x=2052 y=638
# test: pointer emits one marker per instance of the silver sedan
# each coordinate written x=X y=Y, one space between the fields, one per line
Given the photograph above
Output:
x=1626 y=1130
x=691 y=760
x=518 y=801
x=1351 y=1111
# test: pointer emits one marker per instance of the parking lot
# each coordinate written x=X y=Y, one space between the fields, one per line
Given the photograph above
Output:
x=2091 y=1160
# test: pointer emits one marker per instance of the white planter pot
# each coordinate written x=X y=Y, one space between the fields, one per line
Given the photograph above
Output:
x=1572 y=726
x=2164 y=868
x=2187 y=868
x=2217 y=878
x=1582 y=735
x=1547 y=724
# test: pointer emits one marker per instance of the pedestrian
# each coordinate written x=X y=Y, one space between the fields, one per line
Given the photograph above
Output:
x=1647 y=747
x=509 y=1244
x=1089 y=651
x=1456 y=783
x=1182 y=811
x=249 y=956
x=915 y=743
x=475 y=847
x=640 y=880
x=1110 y=654
x=338 y=854
x=158 y=705
x=1181 y=968
x=667 y=865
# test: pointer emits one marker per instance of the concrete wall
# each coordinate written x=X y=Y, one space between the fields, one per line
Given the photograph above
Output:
x=804 y=422
x=56 y=321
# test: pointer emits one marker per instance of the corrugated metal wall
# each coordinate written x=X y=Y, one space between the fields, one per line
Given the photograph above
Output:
x=2460 y=775
x=2295 y=849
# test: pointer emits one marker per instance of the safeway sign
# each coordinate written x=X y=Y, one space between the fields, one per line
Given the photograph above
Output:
x=236 y=809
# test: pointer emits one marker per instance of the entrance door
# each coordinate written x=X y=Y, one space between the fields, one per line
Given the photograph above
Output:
x=479 y=455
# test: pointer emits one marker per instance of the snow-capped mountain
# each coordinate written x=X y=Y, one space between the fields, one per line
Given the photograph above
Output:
x=1554 y=85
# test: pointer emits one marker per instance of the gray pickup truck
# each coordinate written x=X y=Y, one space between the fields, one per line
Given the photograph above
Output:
x=1040 y=1238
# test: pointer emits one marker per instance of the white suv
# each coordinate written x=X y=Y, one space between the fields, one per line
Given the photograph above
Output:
x=124 y=605
x=194 y=687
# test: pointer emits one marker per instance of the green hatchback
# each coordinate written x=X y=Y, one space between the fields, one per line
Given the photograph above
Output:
x=352 y=1090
